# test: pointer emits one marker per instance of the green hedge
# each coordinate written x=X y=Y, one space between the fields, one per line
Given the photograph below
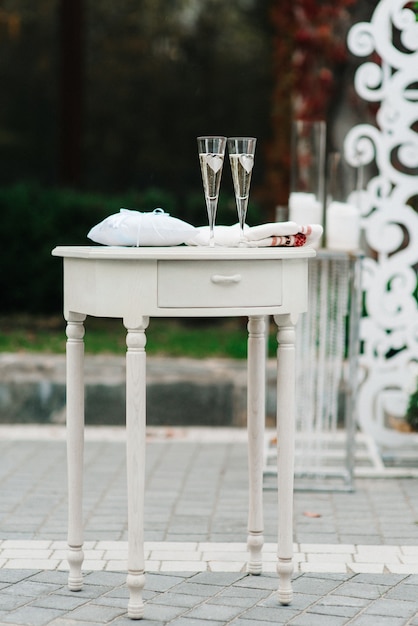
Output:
x=36 y=219
x=412 y=411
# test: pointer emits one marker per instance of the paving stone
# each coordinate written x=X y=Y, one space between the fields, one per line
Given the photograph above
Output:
x=121 y=603
x=190 y=588
x=337 y=611
x=300 y=601
x=52 y=577
x=60 y=602
x=403 y=592
x=333 y=599
x=396 y=608
x=361 y=538
x=123 y=592
x=312 y=619
x=30 y=589
x=245 y=592
x=221 y=578
x=361 y=590
x=95 y=612
x=126 y=621
x=32 y=616
x=368 y=620
x=214 y=612
x=88 y=591
x=259 y=582
x=65 y=621
x=178 y=599
x=244 y=602
x=411 y=580
x=316 y=584
x=9 y=602
x=309 y=537
x=270 y=615
x=385 y=580
x=186 y=621
x=15 y=576
x=162 y=612
x=158 y=582
x=242 y=621
x=108 y=579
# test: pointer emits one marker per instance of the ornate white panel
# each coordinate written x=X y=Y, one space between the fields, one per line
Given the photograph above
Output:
x=389 y=329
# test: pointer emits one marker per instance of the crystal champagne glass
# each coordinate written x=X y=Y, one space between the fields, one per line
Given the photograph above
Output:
x=241 y=157
x=211 y=156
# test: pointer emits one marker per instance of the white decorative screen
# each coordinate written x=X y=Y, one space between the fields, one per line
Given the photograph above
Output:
x=389 y=328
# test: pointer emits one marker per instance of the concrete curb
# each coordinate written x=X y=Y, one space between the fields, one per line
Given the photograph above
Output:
x=180 y=391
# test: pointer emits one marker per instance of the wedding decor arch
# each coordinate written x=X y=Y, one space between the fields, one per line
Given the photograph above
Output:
x=389 y=204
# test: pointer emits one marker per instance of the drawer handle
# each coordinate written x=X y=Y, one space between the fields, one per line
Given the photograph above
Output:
x=218 y=279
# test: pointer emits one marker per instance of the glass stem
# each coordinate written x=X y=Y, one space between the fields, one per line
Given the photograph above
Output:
x=242 y=213
x=212 y=206
x=211 y=236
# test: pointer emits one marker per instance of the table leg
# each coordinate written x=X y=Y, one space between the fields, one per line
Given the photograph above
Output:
x=135 y=457
x=256 y=407
x=75 y=446
x=285 y=451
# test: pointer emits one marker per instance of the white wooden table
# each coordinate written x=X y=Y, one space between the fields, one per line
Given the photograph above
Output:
x=135 y=284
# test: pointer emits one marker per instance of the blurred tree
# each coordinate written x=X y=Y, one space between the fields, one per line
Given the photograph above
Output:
x=156 y=74
x=71 y=57
x=159 y=74
x=28 y=98
x=276 y=185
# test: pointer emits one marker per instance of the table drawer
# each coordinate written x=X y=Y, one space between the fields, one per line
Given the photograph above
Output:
x=218 y=284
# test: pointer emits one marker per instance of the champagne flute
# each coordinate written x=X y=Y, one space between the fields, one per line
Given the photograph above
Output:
x=211 y=157
x=241 y=157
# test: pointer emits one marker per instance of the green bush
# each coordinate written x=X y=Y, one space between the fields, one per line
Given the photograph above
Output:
x=35 y=219
x=412 y=411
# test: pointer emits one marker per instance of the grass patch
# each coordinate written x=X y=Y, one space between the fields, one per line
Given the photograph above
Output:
x=194 y=338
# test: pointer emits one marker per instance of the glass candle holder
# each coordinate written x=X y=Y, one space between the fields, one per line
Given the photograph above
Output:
x=307 y=184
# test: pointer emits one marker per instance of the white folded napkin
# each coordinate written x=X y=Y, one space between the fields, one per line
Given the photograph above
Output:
x=287 y=234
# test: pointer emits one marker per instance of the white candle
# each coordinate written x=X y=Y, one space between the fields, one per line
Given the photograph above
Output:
x=342 y=226
x=304 y=208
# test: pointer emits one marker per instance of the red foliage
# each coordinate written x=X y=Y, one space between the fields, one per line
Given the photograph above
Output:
x=277 y=154
x=309 y=44
x=319 y=47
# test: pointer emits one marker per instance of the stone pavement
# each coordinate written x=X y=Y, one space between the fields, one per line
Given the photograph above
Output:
x=356 y=554
x=209 y=599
